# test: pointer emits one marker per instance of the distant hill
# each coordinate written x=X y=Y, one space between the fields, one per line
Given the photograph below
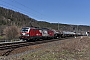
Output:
x=9 y=18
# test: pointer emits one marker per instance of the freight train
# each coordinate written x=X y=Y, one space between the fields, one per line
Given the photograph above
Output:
x=34 y=33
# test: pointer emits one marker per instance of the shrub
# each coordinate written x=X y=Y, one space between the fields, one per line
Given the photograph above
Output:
x=11 y=32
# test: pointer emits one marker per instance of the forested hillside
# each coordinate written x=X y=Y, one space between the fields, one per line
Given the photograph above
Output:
x=10 y=18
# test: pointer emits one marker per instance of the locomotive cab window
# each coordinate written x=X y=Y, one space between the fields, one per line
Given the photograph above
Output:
x=25 y=29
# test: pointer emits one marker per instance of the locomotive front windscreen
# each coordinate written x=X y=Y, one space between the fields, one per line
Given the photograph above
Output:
x=25 y=29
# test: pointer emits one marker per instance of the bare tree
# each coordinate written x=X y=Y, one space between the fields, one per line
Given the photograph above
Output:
x=1 y=30
x=11 y=32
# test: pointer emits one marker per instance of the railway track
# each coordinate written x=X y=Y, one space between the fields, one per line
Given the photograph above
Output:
x=6 y=46
x=11 y=46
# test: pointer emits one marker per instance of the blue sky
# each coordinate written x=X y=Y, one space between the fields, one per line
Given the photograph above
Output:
x=54 y=11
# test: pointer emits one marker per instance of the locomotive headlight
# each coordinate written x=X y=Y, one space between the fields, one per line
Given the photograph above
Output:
x=26 y=34
x=23 y=33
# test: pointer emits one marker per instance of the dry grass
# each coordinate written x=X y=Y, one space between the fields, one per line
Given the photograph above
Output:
x=70 y=50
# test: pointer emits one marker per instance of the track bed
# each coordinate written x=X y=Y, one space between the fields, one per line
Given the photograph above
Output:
x=73 y=48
